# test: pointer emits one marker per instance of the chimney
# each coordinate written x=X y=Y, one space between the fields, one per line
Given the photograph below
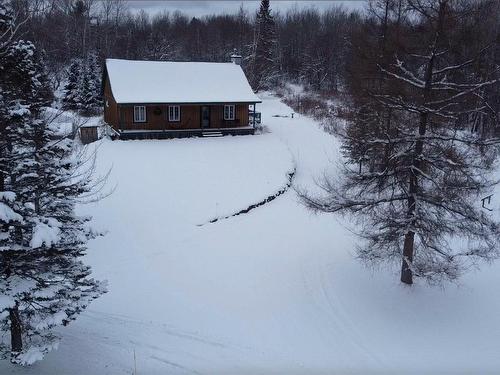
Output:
x=236 y=58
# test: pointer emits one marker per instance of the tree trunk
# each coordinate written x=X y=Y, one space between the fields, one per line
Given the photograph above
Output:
x=16 y=339
x=406 y=272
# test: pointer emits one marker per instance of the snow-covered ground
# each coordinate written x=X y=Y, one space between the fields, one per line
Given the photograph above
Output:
x=274 y=291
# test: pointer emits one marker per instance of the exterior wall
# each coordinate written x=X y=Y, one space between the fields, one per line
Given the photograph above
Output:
x=110 y=106
x=157 y=118
x=242 y=113
x=217 y=116
x=190 y=117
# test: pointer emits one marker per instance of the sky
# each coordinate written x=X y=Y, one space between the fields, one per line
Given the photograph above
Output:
x=201 y=8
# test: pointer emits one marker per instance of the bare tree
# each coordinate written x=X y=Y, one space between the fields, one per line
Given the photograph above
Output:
x=418 y=200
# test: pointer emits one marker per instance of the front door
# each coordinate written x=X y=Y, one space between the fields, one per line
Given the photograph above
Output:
x=205 y=116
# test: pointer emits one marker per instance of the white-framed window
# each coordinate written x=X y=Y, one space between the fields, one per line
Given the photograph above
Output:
x=139 y=113
x=174 y=113
x=229 y=112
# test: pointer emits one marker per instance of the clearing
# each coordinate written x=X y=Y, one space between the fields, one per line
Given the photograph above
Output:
x=274 y=291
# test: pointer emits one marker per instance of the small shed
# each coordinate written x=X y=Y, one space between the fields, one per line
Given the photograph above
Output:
x=88 y=134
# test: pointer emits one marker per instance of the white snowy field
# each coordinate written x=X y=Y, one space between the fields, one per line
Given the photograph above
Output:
x=274 y=291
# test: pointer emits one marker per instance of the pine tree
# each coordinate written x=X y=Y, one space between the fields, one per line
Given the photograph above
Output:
x=50 y=243
x=83 y=88
x=264 y=66
x=89 y=94
x=43 y=282
x=7 y=88
x=72 y=87
x=418 y=199
x=96 y=78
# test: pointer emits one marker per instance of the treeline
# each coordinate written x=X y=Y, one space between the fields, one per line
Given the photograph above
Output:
x=311 y=46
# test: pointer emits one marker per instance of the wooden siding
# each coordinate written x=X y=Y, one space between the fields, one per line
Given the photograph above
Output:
x=240 y=116
x=110 y=106
x=157 y=117
x=88 y=134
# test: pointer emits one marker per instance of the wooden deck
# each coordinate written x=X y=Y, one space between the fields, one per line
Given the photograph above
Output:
x=182 y=133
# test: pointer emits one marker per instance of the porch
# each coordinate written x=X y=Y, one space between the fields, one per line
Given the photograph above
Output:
x=182 y=133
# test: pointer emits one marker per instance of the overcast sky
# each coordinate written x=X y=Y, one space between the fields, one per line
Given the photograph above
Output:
x=202 y=8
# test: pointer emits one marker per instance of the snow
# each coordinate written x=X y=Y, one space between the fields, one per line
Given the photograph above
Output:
x=196 y=189
x=7 y=214
x=52 y=320
x=21 y=110
x=65 y=121
x=295 y=89
x=274 y=291
x=7 y=196
x=19 y=285
x=6 y=302
x=178 y=82
x=31 y=356
x=45 y=233
x=35 y=354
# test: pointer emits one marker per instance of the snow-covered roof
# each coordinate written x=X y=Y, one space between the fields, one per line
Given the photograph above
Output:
x=178 y=82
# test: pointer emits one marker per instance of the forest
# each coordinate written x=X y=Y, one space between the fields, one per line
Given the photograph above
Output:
x=309 y=46
x=330 y=52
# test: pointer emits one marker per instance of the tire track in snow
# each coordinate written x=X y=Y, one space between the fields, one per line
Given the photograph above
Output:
x=180 y=360
x=221 y=346
x=175 y=365
x=341 y=315
x=113 y=318
x=329 y=304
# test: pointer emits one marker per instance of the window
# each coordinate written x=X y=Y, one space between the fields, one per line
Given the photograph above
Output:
x=174 y=113
x=229 y=112
x=139 y=113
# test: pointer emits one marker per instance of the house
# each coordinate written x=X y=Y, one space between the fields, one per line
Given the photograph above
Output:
x=156 y=99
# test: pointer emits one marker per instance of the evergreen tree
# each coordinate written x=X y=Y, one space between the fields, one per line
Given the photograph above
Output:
x=96 y=76
x=47 y=281
x=7 y=88
x=264 y=66
x=89 y=90
x=86 y=94
x=71 y=99
x=43 y=282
